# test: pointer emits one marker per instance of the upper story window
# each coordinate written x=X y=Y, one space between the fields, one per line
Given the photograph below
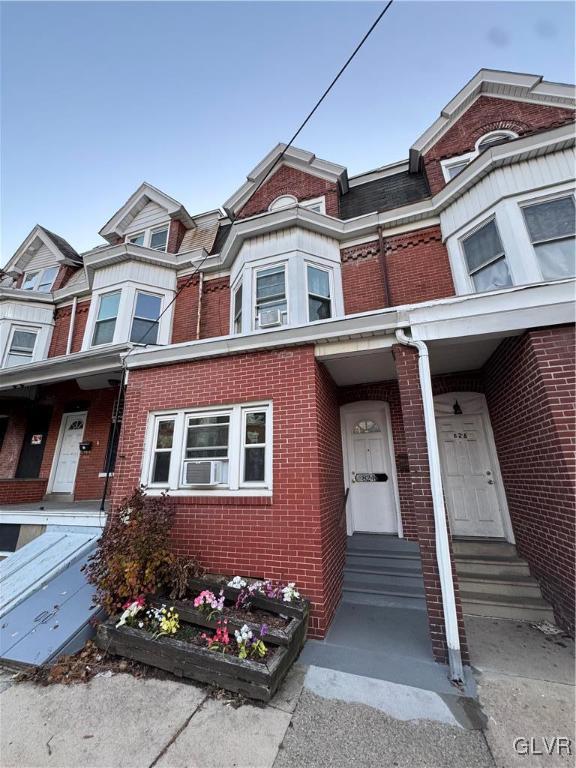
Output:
x=485 y=258
x=284 y=201
x=40 y=280
x=156 y=238
x=319 y=294
x=237 y=318
x=317 y=204
x=20 y=346
x=271 y=302
x=455 y=165
x=221 y=449
x=105 y=324
x=146 y=318
x=552 y=228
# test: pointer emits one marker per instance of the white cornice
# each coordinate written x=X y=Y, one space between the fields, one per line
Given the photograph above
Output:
x=497 y=83
x=18 y=294
x=294 y=158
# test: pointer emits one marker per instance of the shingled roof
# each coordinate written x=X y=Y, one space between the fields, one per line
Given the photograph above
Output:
x=64 y=247
x=384 y=194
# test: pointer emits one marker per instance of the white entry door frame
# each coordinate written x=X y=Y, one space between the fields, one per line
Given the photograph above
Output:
x=473 y=404
x=57 y=483
x=372 y=506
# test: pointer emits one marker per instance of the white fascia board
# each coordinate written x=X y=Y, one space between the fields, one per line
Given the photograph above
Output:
x=378 y=173
x=39 y=233
x=491 y=82
x=500 y=312
x=20 y=295
x=293 y=157
x=64 y=368
x=365 y=325
x=131 y=252
x=173 y=208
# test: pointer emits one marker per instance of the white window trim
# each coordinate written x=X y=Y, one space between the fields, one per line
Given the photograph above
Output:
x=148 y=236
x=467 y=157
x=235 y=485
x=39 y=277
x=274 y=207
x=504 y=254
x=526 y=203
x=125 y=314
x=147 y=292
x=36 y=330
x=263 y=268
x=330 y=273
x=101 y=296
x=315 y=201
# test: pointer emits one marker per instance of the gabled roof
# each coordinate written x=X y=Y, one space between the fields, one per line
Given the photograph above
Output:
x=496 y=83
x=145 y=193
x=62 y=250
x=294 y=158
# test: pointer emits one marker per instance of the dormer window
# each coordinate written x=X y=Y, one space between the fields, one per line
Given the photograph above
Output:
x=494 y=138
x=455 y=165
x=40 y=280
x=155 y=238
x=284 y=201
x=317 y=204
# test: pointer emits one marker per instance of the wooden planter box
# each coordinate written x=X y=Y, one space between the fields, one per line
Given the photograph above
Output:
x=257 y=680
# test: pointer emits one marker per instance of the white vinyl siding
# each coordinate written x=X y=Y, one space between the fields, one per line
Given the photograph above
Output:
x=152 y=215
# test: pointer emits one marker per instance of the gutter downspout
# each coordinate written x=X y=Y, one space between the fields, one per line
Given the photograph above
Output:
x=440 y=528
x=383 y=266
x=199 y=314
x=71 y=326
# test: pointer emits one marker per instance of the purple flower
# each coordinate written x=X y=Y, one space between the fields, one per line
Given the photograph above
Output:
x=263 y=630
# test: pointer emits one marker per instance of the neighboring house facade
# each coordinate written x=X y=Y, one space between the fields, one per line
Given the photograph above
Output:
x=325 y=355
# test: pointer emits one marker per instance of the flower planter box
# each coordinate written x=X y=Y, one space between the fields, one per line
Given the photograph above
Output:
x=255 y=679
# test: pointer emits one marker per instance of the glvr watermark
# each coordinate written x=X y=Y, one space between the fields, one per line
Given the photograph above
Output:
x=543 y=745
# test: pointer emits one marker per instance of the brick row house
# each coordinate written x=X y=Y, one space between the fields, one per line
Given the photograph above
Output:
x=325 y=361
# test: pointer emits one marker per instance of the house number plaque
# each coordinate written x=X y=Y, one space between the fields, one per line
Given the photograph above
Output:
x=371 y=477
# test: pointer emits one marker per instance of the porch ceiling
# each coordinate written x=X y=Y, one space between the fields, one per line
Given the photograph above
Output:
x=361 y=367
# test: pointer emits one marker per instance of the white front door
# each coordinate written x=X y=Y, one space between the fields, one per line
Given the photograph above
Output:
x=468 y=477
x=68 y=452
x=370 y=473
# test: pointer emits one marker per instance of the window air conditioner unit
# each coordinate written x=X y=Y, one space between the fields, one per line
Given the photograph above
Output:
x=203 y=473
x=267 y=318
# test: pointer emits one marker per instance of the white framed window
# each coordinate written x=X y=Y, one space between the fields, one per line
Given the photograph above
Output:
x=40 y=280
x=317 y=204
x=455 y=165
x=237 y=310
x=319 y=287
x=155 y=238
x=226 y=449
x=271 y=300
x=485 y=258
x=145 y=321
x=21 y=343
x=105 y=323
x=551 y=226
x=284 y=201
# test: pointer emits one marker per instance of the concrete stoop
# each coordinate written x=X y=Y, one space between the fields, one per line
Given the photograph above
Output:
x=495 y=582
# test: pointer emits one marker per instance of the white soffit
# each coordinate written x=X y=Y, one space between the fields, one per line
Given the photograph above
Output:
x=145 y=193
x=499 y=84
x=294 y=158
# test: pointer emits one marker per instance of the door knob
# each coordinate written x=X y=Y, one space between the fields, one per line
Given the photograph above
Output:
x=490 y=482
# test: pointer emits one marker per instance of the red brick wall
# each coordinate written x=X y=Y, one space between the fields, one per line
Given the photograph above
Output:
x=291 y=181
x=60 y=331
x=362 y=278
x=100 y=402
x=13 y=439
x=289 y=536
x=215 y=314
x=530 y=392
x=489 y=114
x=80 y=320
x=176 y=234
x=18 y=491
x=185 y=322
x=388 y=392
x=406 y=359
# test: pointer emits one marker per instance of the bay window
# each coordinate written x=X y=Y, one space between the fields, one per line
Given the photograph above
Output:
x=223 y=449
x=106 y=318
x=20 y=347
x=486 y=259
x=271 y=302
x=319 y=294
x=551 y=226
x=145 y=321
x=237 y=319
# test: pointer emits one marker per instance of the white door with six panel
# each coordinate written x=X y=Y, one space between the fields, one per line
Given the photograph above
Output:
x=468 y=475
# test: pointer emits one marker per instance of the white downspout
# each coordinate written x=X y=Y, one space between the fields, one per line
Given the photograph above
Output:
x=71 y=326
x=441 y=530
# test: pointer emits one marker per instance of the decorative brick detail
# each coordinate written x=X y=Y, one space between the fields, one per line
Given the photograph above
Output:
x=185 y=323
x=62 y=318
x=80 y=320
x=406 y=360
x=176 y=234
x=388 y=392
x=487 y=114
x=22 y=491
x=295 y=534
x=530 y=392
x=215 y=314
x=362 y=278
x=291 y=181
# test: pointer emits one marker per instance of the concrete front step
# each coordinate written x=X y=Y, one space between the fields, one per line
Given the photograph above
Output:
x=383 y=580
x=396 y=560
x=379 y=542
x=472 y=547
x=391 y=598
x=494 y=586
x=506 y=607
x=492 y=566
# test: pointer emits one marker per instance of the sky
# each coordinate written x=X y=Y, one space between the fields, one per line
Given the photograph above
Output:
x=97 y=97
